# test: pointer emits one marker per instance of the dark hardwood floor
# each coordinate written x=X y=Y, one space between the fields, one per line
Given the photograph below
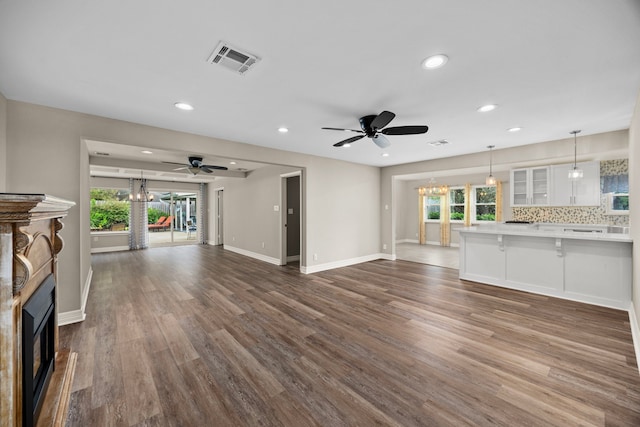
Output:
x=196 y=336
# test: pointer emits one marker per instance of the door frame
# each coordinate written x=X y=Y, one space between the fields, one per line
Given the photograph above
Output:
x=218 y=216
x=283 y=218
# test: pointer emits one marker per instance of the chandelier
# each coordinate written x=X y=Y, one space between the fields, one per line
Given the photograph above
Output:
x=435 y=190
x=143 y=195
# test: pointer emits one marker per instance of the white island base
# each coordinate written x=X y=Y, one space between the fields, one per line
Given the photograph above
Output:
x=594 y=269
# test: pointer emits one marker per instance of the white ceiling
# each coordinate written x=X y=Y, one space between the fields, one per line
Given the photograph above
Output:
x=551 y=66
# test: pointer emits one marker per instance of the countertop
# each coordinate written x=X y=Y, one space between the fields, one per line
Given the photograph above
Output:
x=561 y=231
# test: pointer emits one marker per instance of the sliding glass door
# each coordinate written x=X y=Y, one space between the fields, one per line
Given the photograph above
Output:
x=180 y=225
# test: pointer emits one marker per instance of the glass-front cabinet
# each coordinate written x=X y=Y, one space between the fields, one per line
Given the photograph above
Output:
x=530 y=186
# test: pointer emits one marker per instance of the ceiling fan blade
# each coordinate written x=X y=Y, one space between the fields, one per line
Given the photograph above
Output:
x=206 y=169
x=381 y=141
x=221 y=168
x=344 y=130
x=405 y=130
x=174 y=163
x=348 y=141
x=382 y=120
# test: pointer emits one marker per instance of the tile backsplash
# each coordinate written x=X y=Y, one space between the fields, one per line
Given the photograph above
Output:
x=582 y=214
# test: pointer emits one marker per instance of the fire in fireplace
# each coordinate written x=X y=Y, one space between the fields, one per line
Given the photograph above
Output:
x=38 y=358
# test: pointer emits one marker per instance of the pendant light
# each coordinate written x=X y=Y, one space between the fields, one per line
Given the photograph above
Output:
x=491 y=180
x=143 y=195
x=575 y=173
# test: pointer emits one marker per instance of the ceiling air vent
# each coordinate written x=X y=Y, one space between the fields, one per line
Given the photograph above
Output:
x=232 y=59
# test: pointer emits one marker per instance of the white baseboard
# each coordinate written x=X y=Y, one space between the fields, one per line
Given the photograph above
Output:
x=293 y=258
x=408 y=241
x=76 y=316
x=345 y=263
x=109 y=249
x=261 y=257
x=69 y=317
x=388 y=257
x=85 y=292
x=635 y=332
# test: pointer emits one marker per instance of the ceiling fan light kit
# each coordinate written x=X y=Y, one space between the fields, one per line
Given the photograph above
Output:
x=374 y=127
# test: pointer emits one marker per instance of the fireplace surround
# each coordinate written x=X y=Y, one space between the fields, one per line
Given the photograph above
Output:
x=32 y=393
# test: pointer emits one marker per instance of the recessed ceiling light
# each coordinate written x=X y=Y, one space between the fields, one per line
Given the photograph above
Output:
x=515 y=129
x=232 y=163
x=283 y=129
x=435 y=61
x=346 y=145
x=183 y=106
x=487 y=108
x=385 y=154
x=146 y=152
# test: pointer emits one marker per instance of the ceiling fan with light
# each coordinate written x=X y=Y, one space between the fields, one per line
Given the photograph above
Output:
x=374 y=127
x=196 y=165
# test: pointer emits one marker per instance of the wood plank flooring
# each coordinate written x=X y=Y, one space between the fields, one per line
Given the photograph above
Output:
x=196 y=336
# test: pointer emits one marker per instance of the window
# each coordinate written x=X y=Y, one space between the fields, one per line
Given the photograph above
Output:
x=432 y=208
x=617 y=204
x=484 y=206
x=109 y=209
x=456 y=204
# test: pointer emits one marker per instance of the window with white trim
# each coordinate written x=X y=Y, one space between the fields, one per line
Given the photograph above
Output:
x=432 y=208
x=456 y=204
x=483 y=207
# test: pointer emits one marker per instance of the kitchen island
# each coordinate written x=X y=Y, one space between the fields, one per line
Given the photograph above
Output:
x=589 y=264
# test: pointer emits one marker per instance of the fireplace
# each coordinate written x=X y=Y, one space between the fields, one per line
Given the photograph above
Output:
x=38 y=352
x=31 y=392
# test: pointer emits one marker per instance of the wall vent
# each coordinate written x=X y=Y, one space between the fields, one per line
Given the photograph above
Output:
x=232 y=58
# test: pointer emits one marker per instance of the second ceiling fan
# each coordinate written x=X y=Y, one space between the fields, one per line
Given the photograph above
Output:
x=374 y=127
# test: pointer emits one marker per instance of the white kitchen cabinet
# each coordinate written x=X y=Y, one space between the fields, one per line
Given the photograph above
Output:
x=530 y=186
x=582 y=192
x=594 y=268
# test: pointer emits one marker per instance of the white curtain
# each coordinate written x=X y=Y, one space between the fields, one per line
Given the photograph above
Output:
x=138 y=230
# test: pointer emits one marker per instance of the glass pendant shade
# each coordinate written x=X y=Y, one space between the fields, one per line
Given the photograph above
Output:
x=575 y=173
x=491 y=180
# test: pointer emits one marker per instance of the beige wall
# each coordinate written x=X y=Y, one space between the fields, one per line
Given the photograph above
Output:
x=341 y=207
x=634 y=196
x=249 y=218
x=3 y=143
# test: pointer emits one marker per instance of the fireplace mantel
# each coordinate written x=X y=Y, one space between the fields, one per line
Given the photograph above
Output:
x=29 y=247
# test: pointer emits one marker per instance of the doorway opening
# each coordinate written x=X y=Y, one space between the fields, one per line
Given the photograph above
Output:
x=291 y=193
